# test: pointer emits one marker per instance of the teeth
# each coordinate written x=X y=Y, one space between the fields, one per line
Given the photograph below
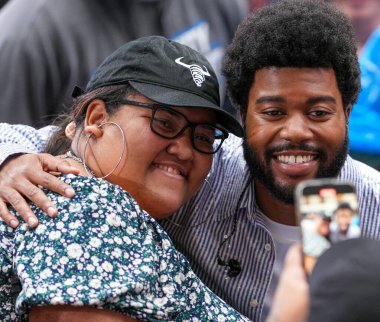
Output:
x=168 y=169
x=295 y=159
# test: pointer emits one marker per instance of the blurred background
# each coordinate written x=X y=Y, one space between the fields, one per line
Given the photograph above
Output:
x=49 y=46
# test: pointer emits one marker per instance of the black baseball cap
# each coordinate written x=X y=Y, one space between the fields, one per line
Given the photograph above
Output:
x=166 y=72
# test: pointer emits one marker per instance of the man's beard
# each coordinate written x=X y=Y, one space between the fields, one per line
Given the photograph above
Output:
x=262 y=171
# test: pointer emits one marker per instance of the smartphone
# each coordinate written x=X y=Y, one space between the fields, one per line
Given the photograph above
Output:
x=327 y=212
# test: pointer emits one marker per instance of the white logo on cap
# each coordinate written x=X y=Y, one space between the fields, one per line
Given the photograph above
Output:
x=197 y=72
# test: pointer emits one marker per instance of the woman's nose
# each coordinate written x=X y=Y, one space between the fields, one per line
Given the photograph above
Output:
x=182 y=146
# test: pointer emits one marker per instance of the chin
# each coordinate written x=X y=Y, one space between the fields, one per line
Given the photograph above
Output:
x=163 y=208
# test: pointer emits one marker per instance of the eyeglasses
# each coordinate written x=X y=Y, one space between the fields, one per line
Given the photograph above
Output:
x=170 y=124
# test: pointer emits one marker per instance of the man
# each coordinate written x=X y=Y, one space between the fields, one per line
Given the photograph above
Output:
x=344 y=225
x=293 y=72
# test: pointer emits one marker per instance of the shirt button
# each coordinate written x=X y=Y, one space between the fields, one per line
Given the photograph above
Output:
x=268 y=247
x=253 y=303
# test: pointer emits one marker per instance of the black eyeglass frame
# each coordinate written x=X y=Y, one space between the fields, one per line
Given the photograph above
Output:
x=192 y=125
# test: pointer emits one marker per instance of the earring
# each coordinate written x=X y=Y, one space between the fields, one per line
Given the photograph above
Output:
x=202 y=222
x=70 y=130
x=121 y=155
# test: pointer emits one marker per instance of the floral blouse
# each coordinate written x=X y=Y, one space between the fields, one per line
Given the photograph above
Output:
x=104 y=251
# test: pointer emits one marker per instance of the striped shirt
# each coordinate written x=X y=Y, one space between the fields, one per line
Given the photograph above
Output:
x=229 y=196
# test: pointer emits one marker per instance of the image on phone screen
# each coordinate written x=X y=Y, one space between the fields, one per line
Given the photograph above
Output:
x=327 y=212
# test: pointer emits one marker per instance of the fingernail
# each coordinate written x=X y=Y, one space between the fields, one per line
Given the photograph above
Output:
x=69 y=192
x=51 y=211
x=32 y=221
x=13 y=223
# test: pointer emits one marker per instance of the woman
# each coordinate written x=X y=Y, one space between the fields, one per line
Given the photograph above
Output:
x=142 y=135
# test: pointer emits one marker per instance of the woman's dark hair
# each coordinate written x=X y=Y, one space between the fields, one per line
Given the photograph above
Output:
x=293 y=33
x=111 y=95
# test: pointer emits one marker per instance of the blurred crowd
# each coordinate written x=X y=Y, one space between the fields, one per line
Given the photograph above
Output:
x=49 y=46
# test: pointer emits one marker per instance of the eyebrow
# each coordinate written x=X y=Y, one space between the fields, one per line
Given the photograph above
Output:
x=270 y=99
x=310 y=101
x=321 y=99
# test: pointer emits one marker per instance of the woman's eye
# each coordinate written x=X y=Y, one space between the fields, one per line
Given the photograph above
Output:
x=164 y=124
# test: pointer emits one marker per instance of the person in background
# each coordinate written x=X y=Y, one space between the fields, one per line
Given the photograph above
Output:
x=49 y=46
x=365 y=117
x=344 y=225
x=294 y=87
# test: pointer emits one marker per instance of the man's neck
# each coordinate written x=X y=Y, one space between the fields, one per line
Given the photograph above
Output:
x=274 y=209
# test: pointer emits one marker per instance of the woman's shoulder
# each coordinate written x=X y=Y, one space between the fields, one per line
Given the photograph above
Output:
x=97 y=199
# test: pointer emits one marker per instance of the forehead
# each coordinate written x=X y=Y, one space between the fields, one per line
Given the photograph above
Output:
x=295 y=83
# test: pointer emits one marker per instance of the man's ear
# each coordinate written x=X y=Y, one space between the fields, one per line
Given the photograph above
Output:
x=96 y=115
x=347 y=112
x=242 y=117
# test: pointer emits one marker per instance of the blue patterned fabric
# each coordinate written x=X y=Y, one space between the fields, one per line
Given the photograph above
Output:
x=103 y=251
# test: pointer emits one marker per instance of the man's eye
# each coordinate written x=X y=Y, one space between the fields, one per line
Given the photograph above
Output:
x=273 y=113
x=320 y=113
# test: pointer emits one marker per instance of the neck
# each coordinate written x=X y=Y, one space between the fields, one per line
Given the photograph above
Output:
x=273 y=208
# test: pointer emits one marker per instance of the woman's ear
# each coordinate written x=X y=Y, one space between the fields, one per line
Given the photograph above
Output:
x=96 y=115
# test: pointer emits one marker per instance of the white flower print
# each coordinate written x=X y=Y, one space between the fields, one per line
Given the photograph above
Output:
x=95 y=283
x=107 y=267
x=113 y=220
x=75 y=207
x=57 y=300
x=60 y=225
x=40 y=230
x=63 y=260
x=95 y=242
x=72 y=291
x=168 y=289
x=50 y=251
x=160 y=301
x=179 y=278
x=46 y=273
x=55 y=235
x=116 y=253
x=90 y=267
x=74 y=250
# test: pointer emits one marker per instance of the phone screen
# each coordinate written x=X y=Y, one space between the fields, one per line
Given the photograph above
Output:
x=327 y=212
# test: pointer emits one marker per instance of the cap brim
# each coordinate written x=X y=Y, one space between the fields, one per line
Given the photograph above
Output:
x=174 y=97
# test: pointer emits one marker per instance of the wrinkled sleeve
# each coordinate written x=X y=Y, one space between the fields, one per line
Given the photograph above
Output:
x=22 y=139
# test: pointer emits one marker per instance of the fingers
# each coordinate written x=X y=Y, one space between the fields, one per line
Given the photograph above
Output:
x=7 y=216
x=20 y=205
x=55 y=164
x=22 y=176
x=51 y=183
x=294 y=255
x=36 y=195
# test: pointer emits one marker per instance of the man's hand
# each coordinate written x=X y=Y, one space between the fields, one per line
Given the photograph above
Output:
x=19 y=177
